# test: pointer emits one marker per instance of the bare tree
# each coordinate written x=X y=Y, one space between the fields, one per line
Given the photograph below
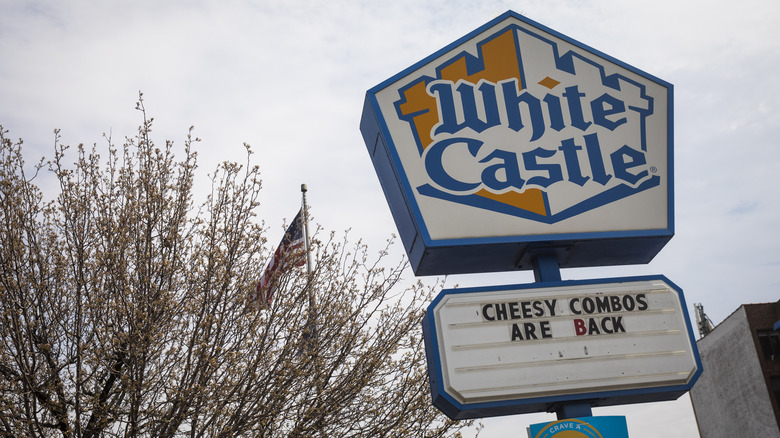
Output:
x=124 y=312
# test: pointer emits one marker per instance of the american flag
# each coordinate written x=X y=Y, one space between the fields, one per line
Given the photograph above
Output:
x=289 y=253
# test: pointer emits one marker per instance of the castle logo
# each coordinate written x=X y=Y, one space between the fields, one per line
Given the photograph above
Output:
x=526 y=128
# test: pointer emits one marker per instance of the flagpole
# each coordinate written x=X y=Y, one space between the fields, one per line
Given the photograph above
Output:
x=308 y=253
x=311 y=318
x=306 y=229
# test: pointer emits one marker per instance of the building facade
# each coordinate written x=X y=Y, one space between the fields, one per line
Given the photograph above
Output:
x=737 y=394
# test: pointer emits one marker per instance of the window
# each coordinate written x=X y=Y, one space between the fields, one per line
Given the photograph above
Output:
x=775 y=381
x=770 y=344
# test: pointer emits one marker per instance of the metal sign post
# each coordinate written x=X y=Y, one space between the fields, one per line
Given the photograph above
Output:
x=546 y=269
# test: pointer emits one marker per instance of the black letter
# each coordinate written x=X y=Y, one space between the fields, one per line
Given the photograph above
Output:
x=587 y=305
x=602 y=304
x=551 y=305
x=593 y=327
x=615 y=300
x=546 y=330
x=513 y=310
x=485 y=312
x=530 y=330
x=642 y=303
x=516 y=333
x=628 y=302
x=501 y=311
x=539 y=310
x=526 y=305
x=617 y=323
x=604 y=325
x=571 y=306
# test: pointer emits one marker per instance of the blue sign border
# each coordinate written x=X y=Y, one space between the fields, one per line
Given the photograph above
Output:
x=458 y=411
x=472 y=255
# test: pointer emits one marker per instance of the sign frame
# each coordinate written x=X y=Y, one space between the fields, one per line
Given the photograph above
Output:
x=432 y=256
x=456 y=409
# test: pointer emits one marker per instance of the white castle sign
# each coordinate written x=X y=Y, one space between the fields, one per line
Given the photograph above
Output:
x=516 y=138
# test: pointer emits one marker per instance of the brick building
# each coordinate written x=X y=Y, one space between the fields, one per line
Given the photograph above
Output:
x=737 y=394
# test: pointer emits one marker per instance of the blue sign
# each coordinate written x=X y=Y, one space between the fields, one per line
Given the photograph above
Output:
x=585 y=427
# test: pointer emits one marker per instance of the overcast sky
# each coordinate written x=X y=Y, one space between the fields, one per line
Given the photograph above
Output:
x=289 y=78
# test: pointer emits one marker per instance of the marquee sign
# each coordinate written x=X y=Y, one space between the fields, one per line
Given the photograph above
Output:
x=522 y=348
x=517 y=138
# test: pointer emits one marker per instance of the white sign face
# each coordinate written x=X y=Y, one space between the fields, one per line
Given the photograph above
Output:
x=531 y=342
x=519 y=123
x=517 y=130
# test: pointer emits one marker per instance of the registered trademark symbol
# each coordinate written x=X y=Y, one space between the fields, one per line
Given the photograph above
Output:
x=653 y=169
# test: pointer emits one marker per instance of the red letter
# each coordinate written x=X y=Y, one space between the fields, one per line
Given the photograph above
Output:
x=579 y=327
